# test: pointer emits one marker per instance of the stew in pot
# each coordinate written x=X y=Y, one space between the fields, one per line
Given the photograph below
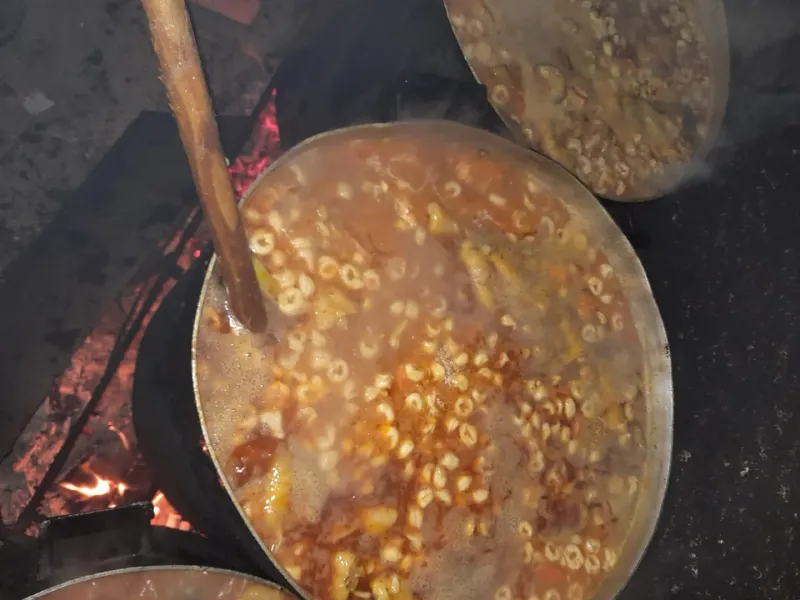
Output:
x=449 y=402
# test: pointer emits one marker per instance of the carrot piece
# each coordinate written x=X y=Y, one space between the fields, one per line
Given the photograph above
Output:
x=585 y=307
x=517 y=103
x=558 y=273
x=549 y=574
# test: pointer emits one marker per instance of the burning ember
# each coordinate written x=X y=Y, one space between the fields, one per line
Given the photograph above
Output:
x=262 y=150
x=166 y=515
x=122 y=437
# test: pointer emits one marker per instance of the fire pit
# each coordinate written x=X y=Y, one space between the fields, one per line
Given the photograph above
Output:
x=80 y=451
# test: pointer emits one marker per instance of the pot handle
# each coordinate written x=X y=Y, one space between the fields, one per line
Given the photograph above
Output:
x=66 y=542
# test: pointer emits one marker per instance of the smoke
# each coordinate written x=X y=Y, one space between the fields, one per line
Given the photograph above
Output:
x=764 y=84
x=765 y=77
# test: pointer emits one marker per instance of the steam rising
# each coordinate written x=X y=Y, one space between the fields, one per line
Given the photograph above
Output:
x=764 y=96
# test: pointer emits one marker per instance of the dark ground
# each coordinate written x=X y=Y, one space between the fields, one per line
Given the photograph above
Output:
x=94 y=62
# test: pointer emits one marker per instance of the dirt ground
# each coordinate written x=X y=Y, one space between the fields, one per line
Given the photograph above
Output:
x=77 y=73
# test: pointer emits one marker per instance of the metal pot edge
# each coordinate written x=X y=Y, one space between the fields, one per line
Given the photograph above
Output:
x=156 y=568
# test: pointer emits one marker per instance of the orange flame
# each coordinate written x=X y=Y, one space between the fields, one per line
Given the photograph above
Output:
x=158 y=499
x=164 y=514
x=101 y=487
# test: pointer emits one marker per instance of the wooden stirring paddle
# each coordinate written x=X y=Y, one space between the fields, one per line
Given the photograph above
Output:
x=188 y=95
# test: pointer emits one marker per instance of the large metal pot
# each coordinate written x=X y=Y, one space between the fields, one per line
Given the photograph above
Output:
x=580 y=203
x=500 y=37
x=166 y=583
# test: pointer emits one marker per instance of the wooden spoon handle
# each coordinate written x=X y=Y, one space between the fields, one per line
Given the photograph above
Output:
x=182 y=75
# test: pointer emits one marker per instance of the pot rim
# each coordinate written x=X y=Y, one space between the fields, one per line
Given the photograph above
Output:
x=155 y=568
